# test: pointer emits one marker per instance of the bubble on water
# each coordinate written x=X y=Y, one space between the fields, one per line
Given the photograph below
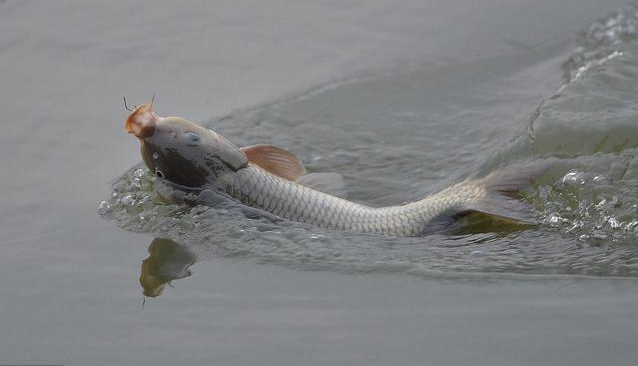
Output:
x=139 y=173
x=599 y=234
x=127 y=200
x=602 y=204
x=613 y=223
x=103 y=208
x=555 y=220
x=599 y=178
x=573 y=178
x=592 y=208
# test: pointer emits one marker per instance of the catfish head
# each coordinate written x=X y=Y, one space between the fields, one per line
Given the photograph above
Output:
x=183 y=152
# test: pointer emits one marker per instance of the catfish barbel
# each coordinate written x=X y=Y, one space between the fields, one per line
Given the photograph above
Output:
x=274 y=180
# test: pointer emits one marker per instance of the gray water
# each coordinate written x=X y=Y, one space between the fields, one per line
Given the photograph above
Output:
x=402 y=99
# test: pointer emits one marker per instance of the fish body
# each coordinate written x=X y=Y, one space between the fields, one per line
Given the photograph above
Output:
x=271 y=179
x=257 y=187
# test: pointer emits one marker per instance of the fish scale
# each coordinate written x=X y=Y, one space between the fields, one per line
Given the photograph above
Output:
x=257 y=187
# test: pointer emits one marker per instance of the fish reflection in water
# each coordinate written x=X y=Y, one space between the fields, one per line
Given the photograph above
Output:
x=167 y=261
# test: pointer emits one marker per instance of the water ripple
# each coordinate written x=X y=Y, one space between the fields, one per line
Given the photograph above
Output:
x=587 y=203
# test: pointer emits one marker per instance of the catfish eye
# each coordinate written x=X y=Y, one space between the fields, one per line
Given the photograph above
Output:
x=159 y=173
x=192 y=137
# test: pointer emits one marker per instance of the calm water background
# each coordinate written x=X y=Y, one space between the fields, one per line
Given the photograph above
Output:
x=402 y=98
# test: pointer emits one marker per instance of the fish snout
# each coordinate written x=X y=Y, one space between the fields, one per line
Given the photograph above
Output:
x=142 y=121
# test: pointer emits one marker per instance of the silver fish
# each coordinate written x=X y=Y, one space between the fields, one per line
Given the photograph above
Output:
x=274 y=180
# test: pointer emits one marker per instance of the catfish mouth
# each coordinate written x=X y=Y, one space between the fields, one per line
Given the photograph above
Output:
x=170 y=165
x=142 y=121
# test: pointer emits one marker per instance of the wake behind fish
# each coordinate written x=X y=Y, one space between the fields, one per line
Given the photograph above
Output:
x=587 y=204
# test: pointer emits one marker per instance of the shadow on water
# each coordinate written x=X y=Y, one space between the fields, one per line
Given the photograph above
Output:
x=168 y=261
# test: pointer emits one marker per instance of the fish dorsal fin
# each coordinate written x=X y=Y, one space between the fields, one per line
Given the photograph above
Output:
x=275 y=160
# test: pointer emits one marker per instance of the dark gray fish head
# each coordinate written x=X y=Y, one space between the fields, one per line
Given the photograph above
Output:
x=181 y=151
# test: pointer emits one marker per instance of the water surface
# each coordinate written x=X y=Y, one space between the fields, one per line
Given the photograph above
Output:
x=402 y=98
x=395 y=138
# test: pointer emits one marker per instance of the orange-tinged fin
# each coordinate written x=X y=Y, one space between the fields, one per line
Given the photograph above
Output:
x=284 y=164
x=502 y=200
x=275 y=160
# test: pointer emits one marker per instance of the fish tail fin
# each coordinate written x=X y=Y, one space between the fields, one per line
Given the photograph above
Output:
x=502 y=199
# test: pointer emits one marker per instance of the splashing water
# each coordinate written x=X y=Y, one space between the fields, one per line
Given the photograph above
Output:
x=602 y=41
x=587 y=204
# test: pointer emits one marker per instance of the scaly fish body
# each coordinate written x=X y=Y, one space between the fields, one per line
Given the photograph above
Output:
x=256 y=187
x=267 y=178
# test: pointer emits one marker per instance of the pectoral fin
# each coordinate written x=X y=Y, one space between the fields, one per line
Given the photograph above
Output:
x=284 y=164
x=275 y=160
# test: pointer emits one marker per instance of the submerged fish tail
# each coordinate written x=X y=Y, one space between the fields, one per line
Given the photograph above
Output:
x=502 y=198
